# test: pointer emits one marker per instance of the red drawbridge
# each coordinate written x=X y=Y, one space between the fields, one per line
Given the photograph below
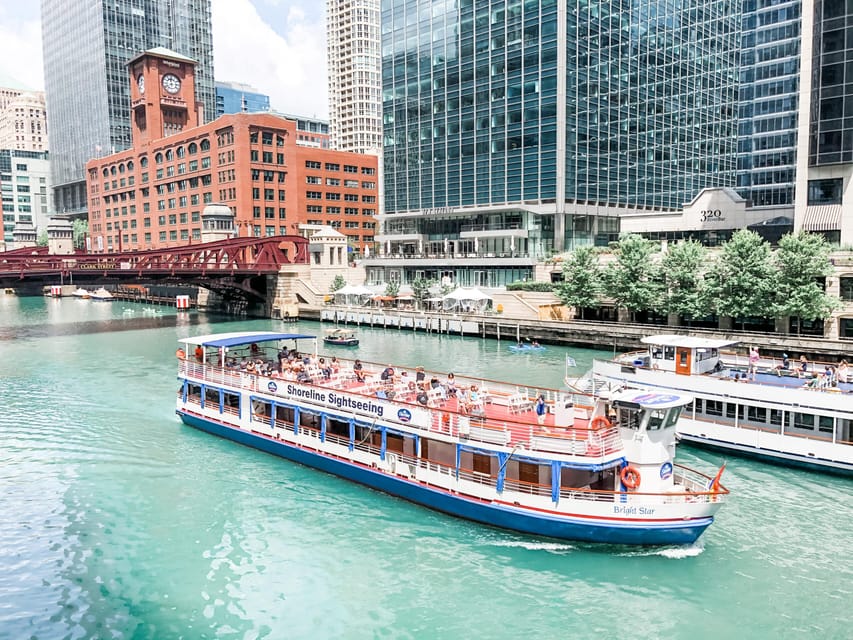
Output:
x=222 y=265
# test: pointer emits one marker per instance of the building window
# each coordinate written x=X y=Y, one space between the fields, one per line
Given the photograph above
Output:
x=312 y=164
x=253 y=155
x=827 y=191
x=333 y=166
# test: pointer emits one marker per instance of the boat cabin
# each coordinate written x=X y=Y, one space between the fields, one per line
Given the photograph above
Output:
x=684 y=355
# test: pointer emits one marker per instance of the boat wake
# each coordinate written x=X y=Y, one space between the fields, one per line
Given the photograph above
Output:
x=532 y=545
x=674 y=553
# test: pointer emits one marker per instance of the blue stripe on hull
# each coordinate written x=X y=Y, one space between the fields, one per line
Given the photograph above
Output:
x=470 y=509
x=769 y=456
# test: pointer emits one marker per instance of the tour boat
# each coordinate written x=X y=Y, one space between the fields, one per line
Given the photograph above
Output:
x=341 y=338
x=777 y=414
x=84 y=294
x=597 y=470
x=102 y=295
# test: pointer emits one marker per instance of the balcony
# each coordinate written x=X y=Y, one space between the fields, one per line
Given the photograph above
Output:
x=512 y=230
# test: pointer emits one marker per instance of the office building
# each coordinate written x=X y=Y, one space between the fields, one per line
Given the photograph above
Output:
x=310 y=132
x=355 y=82
x=86 y=50
x=23 y=121
x=514 y=129
x=25 y=189
x=152 y=195
x=235 y=97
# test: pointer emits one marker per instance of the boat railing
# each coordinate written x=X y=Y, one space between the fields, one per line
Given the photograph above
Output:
x=582 y=441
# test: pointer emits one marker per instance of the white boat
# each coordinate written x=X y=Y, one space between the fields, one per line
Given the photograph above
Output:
x=102 y=295
x=84 y=294
x=773 y=414
x=468 y=447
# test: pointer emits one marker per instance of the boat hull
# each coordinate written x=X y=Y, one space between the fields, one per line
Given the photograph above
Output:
x=506 y=516
x=342 y=343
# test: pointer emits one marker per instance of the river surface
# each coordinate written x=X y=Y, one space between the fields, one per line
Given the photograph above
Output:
x=116 y=521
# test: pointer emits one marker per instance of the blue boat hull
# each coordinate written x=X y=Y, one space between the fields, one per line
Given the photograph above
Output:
x=489 y=513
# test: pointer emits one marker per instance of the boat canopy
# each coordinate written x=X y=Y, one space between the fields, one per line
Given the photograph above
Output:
x=243 y=337
x=688 y=342
x=652 y=399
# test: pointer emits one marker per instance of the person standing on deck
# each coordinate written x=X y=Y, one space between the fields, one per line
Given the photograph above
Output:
x=753 y=362
x=540 y=409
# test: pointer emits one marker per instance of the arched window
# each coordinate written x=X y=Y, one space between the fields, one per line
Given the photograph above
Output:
x=130 y=165
x=106 y=172
x=143 y=161
x=205 y=145
x=179 y=152
x=113 y=170
x=193 y=148
x=158 y=158
x=169 y=155
x=121 y=168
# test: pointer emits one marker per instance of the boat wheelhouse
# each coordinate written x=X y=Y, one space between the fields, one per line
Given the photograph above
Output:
x=582 y=468
x=767 y=409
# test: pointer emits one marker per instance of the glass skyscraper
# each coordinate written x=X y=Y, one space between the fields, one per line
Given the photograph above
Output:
x=235 y=97
x=553 y=106
x=86 y=50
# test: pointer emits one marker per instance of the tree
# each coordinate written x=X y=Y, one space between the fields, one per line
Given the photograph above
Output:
x=420 y=289
x=79 y=232
x=634 y=279
x=41 y=241
x=742 y=282
x=337 y=283
x=682 y=268
x=803 y=263
x=581 y=286
x=392 y=289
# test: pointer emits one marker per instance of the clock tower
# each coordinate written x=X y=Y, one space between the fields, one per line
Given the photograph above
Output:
x=162 y=95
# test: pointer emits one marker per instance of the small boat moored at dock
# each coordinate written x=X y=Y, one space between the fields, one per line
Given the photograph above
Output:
x=537 y=461
x=341 y=338
x=83 y=294
x=102 y=295
x=770 y=409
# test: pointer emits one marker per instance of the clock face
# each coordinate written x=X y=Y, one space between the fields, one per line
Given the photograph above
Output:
x=140 y=82
x=171 y=83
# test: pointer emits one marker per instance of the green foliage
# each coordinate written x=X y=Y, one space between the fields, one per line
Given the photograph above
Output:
x=420 y=289
x=634 y=279
x=392 y=289
x=743 y=281
x=41 y=241
x=80 y=229
x=803 y=261
x=531 y=286
x=682 y=265
x=337 y=283
x=581 y=286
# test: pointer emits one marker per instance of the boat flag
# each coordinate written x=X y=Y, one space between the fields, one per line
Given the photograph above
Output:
x=715 y=483
x=570 y=362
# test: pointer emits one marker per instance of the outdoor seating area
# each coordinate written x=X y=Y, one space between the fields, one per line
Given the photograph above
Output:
x=460 y=300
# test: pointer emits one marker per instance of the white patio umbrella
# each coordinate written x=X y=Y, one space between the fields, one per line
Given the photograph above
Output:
x=352 y=294
x=466 y=300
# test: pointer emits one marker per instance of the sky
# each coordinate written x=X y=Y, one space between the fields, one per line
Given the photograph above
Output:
x=277 y=46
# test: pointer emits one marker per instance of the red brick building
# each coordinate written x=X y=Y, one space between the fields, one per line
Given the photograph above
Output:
x=152 y=195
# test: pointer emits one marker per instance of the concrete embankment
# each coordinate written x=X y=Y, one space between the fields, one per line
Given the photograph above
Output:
x=600 y=335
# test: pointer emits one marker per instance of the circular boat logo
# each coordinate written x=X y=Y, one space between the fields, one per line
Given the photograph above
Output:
x=666 y=471
x=272 y=386
x=654 y=398
x=404 y=415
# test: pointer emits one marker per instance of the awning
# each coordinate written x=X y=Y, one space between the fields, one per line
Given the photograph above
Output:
x=822 y=218
x=242 y=337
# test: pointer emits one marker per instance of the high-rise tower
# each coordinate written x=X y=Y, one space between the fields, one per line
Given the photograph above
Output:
x=355 y=76
x=86 y=51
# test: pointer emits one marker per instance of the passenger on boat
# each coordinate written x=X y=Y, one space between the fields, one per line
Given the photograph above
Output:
x=250 y=367
x=358 y=371
x=387 y=375
x=325 y=369
x=754 y=359
x=254 y=349
x=540 y=409
x=335 y=365
x=804 y=367
x=420 y=378
x=199 y=353
x=784 y=367
x=842 y=374
x=451 y=385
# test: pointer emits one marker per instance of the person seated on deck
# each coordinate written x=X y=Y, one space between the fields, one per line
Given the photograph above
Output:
x=804 y=367
x=842 y=373
x=250 y=367
x=387 y=375
x=420 y=378
x=784 y=367
x=475 y=404
x=358 y=371
x=450 y=385
x=254 y=349
x=818 y=382
x=325 y=369
x=334 y=365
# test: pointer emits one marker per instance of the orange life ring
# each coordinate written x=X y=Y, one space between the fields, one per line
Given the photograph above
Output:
x=181 y=354
x=599 y=422
x=630 y=477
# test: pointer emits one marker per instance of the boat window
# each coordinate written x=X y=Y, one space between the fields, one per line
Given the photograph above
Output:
x=656 y=418
x=231 y=402
x=672 y=417
x=776 y=416
x=804 y=421
x=682 y=357
x=338 y=427
x=308 y=419
x=284 y=414
x=194 y=392
x=730 y=411
x=824 y=424
x=756 y=414
x=261 y=410
x=629 y=418
x=482 y=463
x=714 y=407
x=394 y=442
x=657 y=352
x=669 y=353
x=211 y=396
